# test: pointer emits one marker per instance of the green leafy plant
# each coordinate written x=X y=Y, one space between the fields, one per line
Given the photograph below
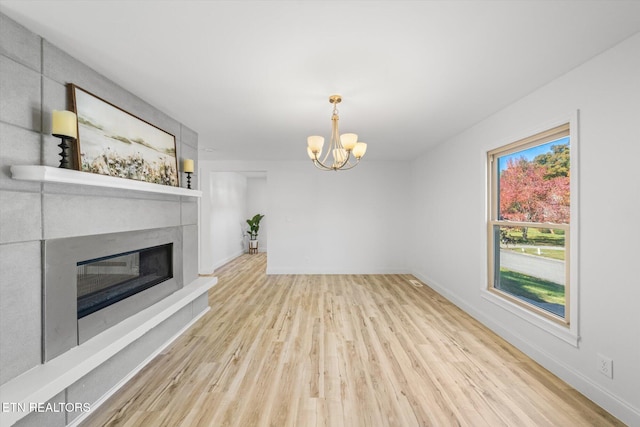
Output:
x=254 y=226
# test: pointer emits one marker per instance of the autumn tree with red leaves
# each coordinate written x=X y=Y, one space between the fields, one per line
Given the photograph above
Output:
x=529 y=193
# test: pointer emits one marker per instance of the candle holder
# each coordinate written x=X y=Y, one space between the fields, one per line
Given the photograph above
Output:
x=64 y=125
x=187 y=167
x=64 y=151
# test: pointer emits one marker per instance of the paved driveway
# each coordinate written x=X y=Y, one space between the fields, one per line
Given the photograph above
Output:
x=532 y=265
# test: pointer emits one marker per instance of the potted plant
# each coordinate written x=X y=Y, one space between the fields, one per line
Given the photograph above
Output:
x=254 y=227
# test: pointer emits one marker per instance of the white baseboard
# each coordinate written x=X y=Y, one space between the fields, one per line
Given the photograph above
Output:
x=303 y=270
x=222 y=262
x=137 y=369
x=618 y=407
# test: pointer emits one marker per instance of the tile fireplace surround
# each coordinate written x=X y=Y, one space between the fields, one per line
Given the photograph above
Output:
x=56 y=206
x=86 y=360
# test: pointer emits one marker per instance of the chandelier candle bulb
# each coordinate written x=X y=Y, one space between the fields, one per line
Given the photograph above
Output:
x=64 y=124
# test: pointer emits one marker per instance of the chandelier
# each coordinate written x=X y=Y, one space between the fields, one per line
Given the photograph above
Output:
x=341 y=147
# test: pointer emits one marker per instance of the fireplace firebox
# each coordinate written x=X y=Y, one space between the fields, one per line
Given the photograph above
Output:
x=104 y=281
x=91 y=283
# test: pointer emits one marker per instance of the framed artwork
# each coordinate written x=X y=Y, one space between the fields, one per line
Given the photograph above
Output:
x=114 y=142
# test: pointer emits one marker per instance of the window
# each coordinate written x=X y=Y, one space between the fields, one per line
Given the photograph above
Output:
x=529 y=223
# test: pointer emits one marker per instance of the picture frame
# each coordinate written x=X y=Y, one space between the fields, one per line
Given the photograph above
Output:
x=114 y=142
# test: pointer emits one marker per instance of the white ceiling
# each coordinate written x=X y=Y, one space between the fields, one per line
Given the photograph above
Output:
x=253 y=77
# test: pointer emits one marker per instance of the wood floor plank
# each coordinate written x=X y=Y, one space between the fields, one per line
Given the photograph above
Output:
x=340 y=350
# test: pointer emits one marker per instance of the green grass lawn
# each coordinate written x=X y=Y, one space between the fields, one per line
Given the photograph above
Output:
x=535 y=236
x=536 y=289
x=547 y=253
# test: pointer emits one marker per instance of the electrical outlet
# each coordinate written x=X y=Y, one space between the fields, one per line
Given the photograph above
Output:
x=605 y=366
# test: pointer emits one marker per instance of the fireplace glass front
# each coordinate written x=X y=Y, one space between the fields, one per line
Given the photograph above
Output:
x=105 y=281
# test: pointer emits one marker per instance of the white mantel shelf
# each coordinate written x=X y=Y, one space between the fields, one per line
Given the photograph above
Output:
x=70 y=176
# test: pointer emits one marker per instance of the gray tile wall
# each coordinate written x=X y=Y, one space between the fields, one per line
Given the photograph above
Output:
x=33 y=79
x=20 y=203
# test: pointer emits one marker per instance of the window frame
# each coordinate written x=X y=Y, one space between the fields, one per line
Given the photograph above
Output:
x=565 y=328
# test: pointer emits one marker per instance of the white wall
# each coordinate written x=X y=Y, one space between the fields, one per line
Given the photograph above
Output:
x=362 y=221
x=448 y=187
x=338 y=222
x=257 y=204
x=333 y=222
x=222 y=218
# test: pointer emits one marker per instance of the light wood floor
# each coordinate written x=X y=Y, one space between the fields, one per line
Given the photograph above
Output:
x=364 y=350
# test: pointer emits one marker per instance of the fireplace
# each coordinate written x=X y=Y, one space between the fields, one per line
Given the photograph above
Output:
x=94 y=282
x=104 y=281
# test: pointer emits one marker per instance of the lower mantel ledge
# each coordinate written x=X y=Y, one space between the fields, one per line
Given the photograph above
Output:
x=45 y=381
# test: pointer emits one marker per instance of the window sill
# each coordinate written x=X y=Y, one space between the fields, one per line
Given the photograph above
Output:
x=566 y=334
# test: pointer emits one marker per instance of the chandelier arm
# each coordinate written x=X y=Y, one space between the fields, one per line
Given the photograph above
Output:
x=351 y=166
x=335 y=146
x=340 y=157
x=326 y=156
x=345 y=161
x=321 y=166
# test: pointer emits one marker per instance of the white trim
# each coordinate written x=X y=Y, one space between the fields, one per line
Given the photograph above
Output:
x=71 y=176
x=220 y=263
x=555 y=329
x=315 y=270
x=199 y=219
x=43 y=382
x=571 y=333
x=574 y=226
x=95 y=405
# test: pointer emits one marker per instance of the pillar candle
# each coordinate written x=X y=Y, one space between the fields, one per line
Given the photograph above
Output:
x=64 y=123
x=187 y=165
